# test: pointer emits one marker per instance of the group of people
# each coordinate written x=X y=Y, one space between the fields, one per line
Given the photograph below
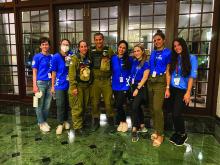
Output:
x=74 y=79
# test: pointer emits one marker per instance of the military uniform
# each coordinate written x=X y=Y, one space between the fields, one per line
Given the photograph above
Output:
x=102 y=81
x=80 y=77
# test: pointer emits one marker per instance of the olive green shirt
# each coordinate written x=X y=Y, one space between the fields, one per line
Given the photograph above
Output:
x=73 y=71
x=97 y=73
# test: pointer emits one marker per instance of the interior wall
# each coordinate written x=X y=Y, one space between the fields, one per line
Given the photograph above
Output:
x=218 y=101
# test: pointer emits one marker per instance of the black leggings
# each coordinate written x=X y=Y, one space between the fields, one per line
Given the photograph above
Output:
x=120 y=99
x=137 y=112
x=177 y=108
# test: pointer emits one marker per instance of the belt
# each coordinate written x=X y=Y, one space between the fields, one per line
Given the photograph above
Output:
x=102 y=78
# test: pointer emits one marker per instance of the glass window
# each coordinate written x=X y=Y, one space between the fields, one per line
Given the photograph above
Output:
x=105 y=20
x=71 y=25
x=8 y=55
x=34 y=26
x=144 y=19
x=3 y=1
x=195 y=27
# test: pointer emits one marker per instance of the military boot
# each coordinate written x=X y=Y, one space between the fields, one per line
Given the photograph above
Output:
x=96 y=124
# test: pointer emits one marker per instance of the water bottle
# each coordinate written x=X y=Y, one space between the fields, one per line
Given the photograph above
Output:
x=35 y=102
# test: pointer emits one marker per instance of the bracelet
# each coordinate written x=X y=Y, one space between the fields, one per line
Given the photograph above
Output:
x=167 y=87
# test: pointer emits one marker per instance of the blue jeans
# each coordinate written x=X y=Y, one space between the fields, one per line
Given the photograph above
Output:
x=44 y=102
x=62 y=102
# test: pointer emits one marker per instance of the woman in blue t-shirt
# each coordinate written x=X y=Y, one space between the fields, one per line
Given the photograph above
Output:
x=139 y=75
x=121 y=65
x=42 y=83
x=182 y=72
x=60 y=84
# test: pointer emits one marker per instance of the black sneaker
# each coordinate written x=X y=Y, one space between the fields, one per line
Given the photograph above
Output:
x=181 y=140
x=174 y=137
x=134 y=137
x=96 y=124
x=110 y=129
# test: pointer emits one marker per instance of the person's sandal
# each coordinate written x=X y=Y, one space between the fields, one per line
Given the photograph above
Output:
x=158 y=141
x=154 y=136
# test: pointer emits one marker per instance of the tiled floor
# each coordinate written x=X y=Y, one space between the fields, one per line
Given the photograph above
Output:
x=21 y=142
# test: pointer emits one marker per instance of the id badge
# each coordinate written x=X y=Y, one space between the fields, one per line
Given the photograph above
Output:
x=67 y=78
x=154 y=74
x=49 y=75
x=132 y=81
x=121 y=79
x=177 y=80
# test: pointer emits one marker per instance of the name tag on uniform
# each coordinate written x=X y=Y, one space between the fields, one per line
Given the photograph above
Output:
x=121 y=79
x=49 y=75
x=154 y=74
x=177 y=80
x=132 y=81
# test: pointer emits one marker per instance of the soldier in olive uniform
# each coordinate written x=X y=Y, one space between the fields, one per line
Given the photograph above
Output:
x=101 y=56
x=80 y=79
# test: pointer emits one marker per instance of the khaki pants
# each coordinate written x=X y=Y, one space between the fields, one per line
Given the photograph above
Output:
x=101 y=86
x=156 y=92
x=79 y=105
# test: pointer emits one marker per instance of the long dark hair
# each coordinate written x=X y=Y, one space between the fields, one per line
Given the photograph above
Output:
x=185 y=58
x=125 y=57
x=144 y=55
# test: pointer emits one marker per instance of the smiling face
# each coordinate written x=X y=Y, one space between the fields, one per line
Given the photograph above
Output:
x=99 y=41
x=121 y=49
x=45 y=47
x=158 y=42
x=83 y=48
x=177 y=47
x=138 y=52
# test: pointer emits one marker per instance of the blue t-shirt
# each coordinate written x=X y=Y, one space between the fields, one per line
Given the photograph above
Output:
x=137 y=71
x=58 y=65
x=159 y=60
x=183 y=81
x=119 y=73
x=42 y=64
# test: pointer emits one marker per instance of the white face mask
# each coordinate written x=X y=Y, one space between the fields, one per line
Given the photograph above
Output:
x=64 y=48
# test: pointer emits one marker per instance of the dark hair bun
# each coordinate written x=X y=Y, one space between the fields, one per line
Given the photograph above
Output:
x=159 y=31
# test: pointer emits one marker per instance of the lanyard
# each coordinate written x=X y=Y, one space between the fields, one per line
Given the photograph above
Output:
x=120 y=63
x=177 y=67
x=137 y=70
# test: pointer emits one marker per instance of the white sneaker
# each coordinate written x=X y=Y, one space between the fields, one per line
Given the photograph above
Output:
x=59 y=129
x=124 y=127
x=46 y=124
x=143 y=130
x=119 y=129
x=66 y=125
x=44 y=128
